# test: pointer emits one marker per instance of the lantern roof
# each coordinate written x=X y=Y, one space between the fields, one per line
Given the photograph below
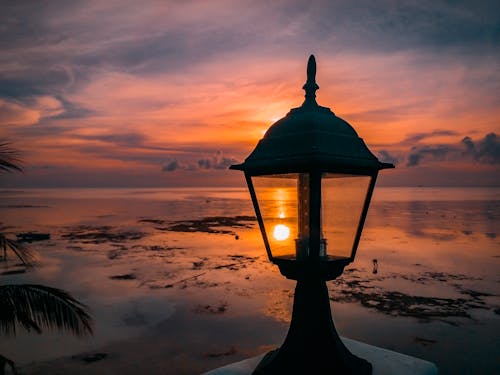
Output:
x=311 y=137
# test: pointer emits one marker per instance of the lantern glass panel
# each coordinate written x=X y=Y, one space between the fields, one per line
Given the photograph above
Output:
x=343 y=198
x=284 y=205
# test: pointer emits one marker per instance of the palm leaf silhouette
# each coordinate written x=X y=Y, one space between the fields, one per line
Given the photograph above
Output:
x=9 y=158
x=11 y=162
x=25 y=255
x=34 y=307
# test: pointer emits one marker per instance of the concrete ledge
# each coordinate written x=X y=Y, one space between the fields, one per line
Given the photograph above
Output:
x=384 y=362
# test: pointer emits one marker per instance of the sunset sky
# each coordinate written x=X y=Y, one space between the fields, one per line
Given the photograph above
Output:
x=170 y=93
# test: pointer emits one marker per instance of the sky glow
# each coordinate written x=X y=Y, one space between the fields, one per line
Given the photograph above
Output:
x=170 y=93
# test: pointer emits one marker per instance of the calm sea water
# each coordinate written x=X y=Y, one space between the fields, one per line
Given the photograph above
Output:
x=211 y=294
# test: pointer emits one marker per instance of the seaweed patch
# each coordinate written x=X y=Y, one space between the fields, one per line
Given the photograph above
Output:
x=423 y=341
x=127 y=276
x=99 y=234
x=350 y=288
x=230 y=351
x=220 y=308
x=212 y=224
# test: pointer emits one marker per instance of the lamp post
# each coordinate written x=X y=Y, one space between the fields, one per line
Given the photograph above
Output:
x=311 y=179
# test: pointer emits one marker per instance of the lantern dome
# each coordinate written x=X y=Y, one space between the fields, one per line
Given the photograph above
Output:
x=311 y=136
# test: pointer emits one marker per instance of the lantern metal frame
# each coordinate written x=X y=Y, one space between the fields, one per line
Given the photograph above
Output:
x=330 y=267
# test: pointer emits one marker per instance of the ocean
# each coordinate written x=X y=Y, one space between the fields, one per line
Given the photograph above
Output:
x=178 y=280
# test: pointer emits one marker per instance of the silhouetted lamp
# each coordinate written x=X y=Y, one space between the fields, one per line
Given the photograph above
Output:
x=311 y=179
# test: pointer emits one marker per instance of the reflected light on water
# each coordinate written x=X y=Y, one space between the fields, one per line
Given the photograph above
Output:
x=281 y=232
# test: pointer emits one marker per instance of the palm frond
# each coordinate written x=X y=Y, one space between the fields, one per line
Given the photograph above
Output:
x=4 y=361
x=34 y=307
x=9 y=158
x=24 y=254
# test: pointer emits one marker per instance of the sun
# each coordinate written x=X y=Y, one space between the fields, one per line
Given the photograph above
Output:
x=281 y=232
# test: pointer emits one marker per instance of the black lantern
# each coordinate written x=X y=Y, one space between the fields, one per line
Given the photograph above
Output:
x=311 y=179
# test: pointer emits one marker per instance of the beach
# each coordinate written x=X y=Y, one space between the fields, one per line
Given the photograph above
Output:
x=178 y=281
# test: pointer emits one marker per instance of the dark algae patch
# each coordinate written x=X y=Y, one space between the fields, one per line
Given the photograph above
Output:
x=32 y=237
x=90 y=358
x=99 y=234
x=423 y=341
x=233 y=262
x=127 y=276
x=230 y=351
x=121 y=251
x=152 y=221
x=211 y=224
x=353 y=288
x=14 y=272
x=219 y=308
x=401 y=304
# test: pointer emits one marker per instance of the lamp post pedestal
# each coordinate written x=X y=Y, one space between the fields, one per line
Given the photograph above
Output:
x=312 y=345
x=385 y=362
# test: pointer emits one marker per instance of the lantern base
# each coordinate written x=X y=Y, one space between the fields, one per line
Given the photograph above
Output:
x=325 y=268
x=312 y=345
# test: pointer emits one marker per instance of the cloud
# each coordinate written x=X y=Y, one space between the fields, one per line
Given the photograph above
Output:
x=57 y=45
x=73 y=111
x=132 y=139
x=417 y=137
x=384 y=115
x=170 y=166
x=435 y=153
x=391 y=25
x=216 y=162
x=48 y=106
x=388 y=157
x=17 y=114
x=483 y=151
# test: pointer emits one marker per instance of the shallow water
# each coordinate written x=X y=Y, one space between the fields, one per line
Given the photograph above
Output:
x=209 y=296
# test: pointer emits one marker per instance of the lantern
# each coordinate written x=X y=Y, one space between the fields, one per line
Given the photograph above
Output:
x=311 y=179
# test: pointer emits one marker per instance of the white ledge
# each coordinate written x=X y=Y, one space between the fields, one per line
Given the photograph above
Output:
x=384 y=362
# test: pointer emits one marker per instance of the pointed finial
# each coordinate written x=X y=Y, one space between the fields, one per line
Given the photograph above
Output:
x=311 y=86
x=311 y=69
